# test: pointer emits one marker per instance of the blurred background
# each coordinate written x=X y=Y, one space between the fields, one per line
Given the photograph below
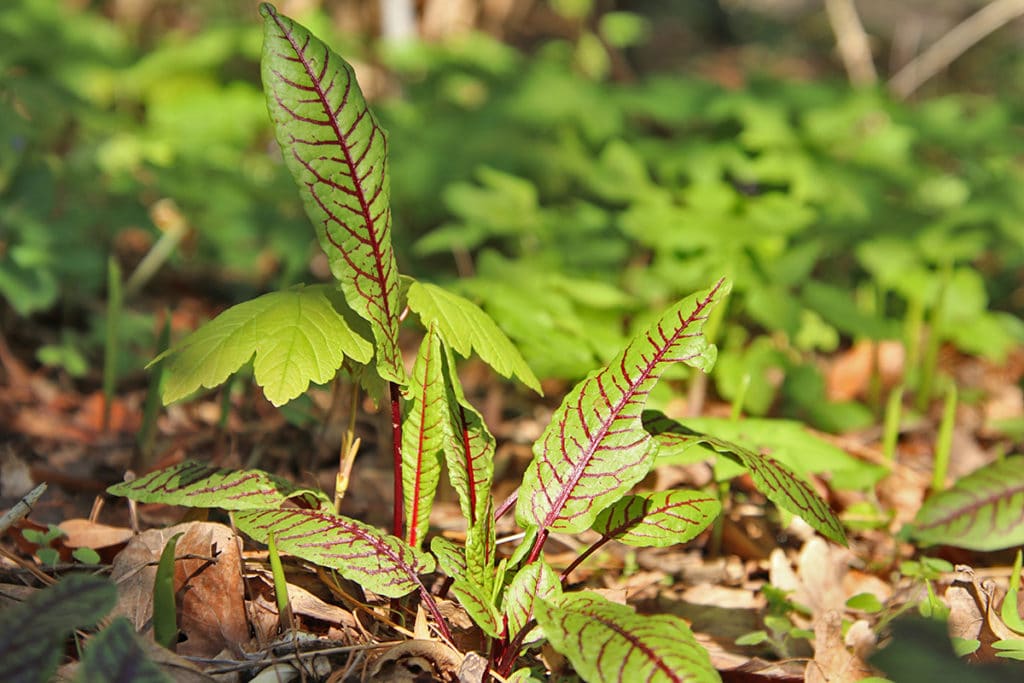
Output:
x=572 y=165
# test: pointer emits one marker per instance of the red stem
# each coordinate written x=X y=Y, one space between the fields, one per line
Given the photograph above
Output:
x=582 y=556
x=396 y=445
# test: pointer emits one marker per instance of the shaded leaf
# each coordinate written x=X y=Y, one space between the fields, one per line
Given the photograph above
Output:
x=165 y=614
x=423 y=436
x=776 y=481
x=297 y=337
x=114 y=655
x=379 y=562
x=193 y=484
x=337 y=153
x=595 y=447
x=982 y=511
x=450 y=557
x=609 y=642
x=466 y=328
x=658 y=519
x=31 y=634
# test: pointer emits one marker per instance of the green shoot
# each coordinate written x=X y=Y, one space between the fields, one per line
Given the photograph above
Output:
x=944 y=440
x=115 y=301
x=165 y=616
x=891 y=428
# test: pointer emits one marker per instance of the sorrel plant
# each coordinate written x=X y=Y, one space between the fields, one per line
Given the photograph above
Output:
x=599 y=444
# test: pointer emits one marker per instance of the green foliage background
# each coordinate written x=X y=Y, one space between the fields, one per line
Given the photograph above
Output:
x=571 y=203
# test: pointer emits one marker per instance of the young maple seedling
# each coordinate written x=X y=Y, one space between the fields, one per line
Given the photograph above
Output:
x=599 y=444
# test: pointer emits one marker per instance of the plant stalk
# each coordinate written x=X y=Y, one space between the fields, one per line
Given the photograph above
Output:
x=397 y=526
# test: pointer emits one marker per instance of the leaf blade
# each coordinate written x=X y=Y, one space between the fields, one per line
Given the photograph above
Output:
x=658 y=519
x=607 y=642
x=777 y=482
x=595 y=447
x=194 y=484
x=982 y=511
x=337 y=153
x=466 y=327
x=379 y=562
x=296 y=336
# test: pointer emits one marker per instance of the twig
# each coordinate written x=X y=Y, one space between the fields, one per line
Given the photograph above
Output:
x=950 y=46
x=21 y=508
x=851 y=41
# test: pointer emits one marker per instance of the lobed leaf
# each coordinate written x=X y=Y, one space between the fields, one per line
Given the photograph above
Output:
x=379 y=562
x=608 y=642
x=777 y=482
x=658 y=519
x=296 y=336
x=337 y=153
x=982 y=511
x=32 y=633
x=595 y=447
x=466 y=328
x=423 y=436
x=194 y=484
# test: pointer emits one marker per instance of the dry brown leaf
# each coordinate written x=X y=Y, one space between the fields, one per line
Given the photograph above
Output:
x=211 y=611
x=416 y=660
x=83 y=533
x=832 y=662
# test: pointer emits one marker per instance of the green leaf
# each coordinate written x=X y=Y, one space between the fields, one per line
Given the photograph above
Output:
x=465 y=328
x=32 y=633
x=165 y=614
x=379 y=562
x=1009 y=649
x=450 y=557
x=658 y=519
x=536 y=581
x=595 y=447
x=297 y=337
x=114 y=655
x=982 y=511
x=780 y=484
x=477 y=603
x=608 y=642
x=193 y=484
x=423 y=436
x=337 y=153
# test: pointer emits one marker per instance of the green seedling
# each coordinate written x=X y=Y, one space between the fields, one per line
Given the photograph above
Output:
x=944 y=439
x=165 y=611
x=111 y=346
x=284 y=608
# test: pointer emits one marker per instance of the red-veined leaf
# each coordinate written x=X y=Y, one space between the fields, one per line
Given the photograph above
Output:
x=595 y=447
x=982 y=511
x=194 y=484
x=658 y=519
x=777 y=482
x=423 y=436
x=610 y=643
x=337 y=153
x=477 y=603
x=536 y=581
x=379 y=562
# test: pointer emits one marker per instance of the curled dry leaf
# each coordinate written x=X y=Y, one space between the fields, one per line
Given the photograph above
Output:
x=416 y=660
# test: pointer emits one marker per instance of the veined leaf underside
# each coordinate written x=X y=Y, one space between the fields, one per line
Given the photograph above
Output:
x=337 y=151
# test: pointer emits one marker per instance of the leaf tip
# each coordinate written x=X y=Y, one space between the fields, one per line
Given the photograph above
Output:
x=267 y=10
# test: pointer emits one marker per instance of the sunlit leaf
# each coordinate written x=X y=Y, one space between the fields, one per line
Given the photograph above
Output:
x=337 y=153
x=194 y=484
x=535 y=581
x=608 y=642
x=595 y=447
x=466 y=328
x=451 y=558
x=473 y=597
x=297 y=337
x=776 y=481
x=423 y=436
x=658 y=519
x=982 y=511
x=379 y=562
x=31 y=633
